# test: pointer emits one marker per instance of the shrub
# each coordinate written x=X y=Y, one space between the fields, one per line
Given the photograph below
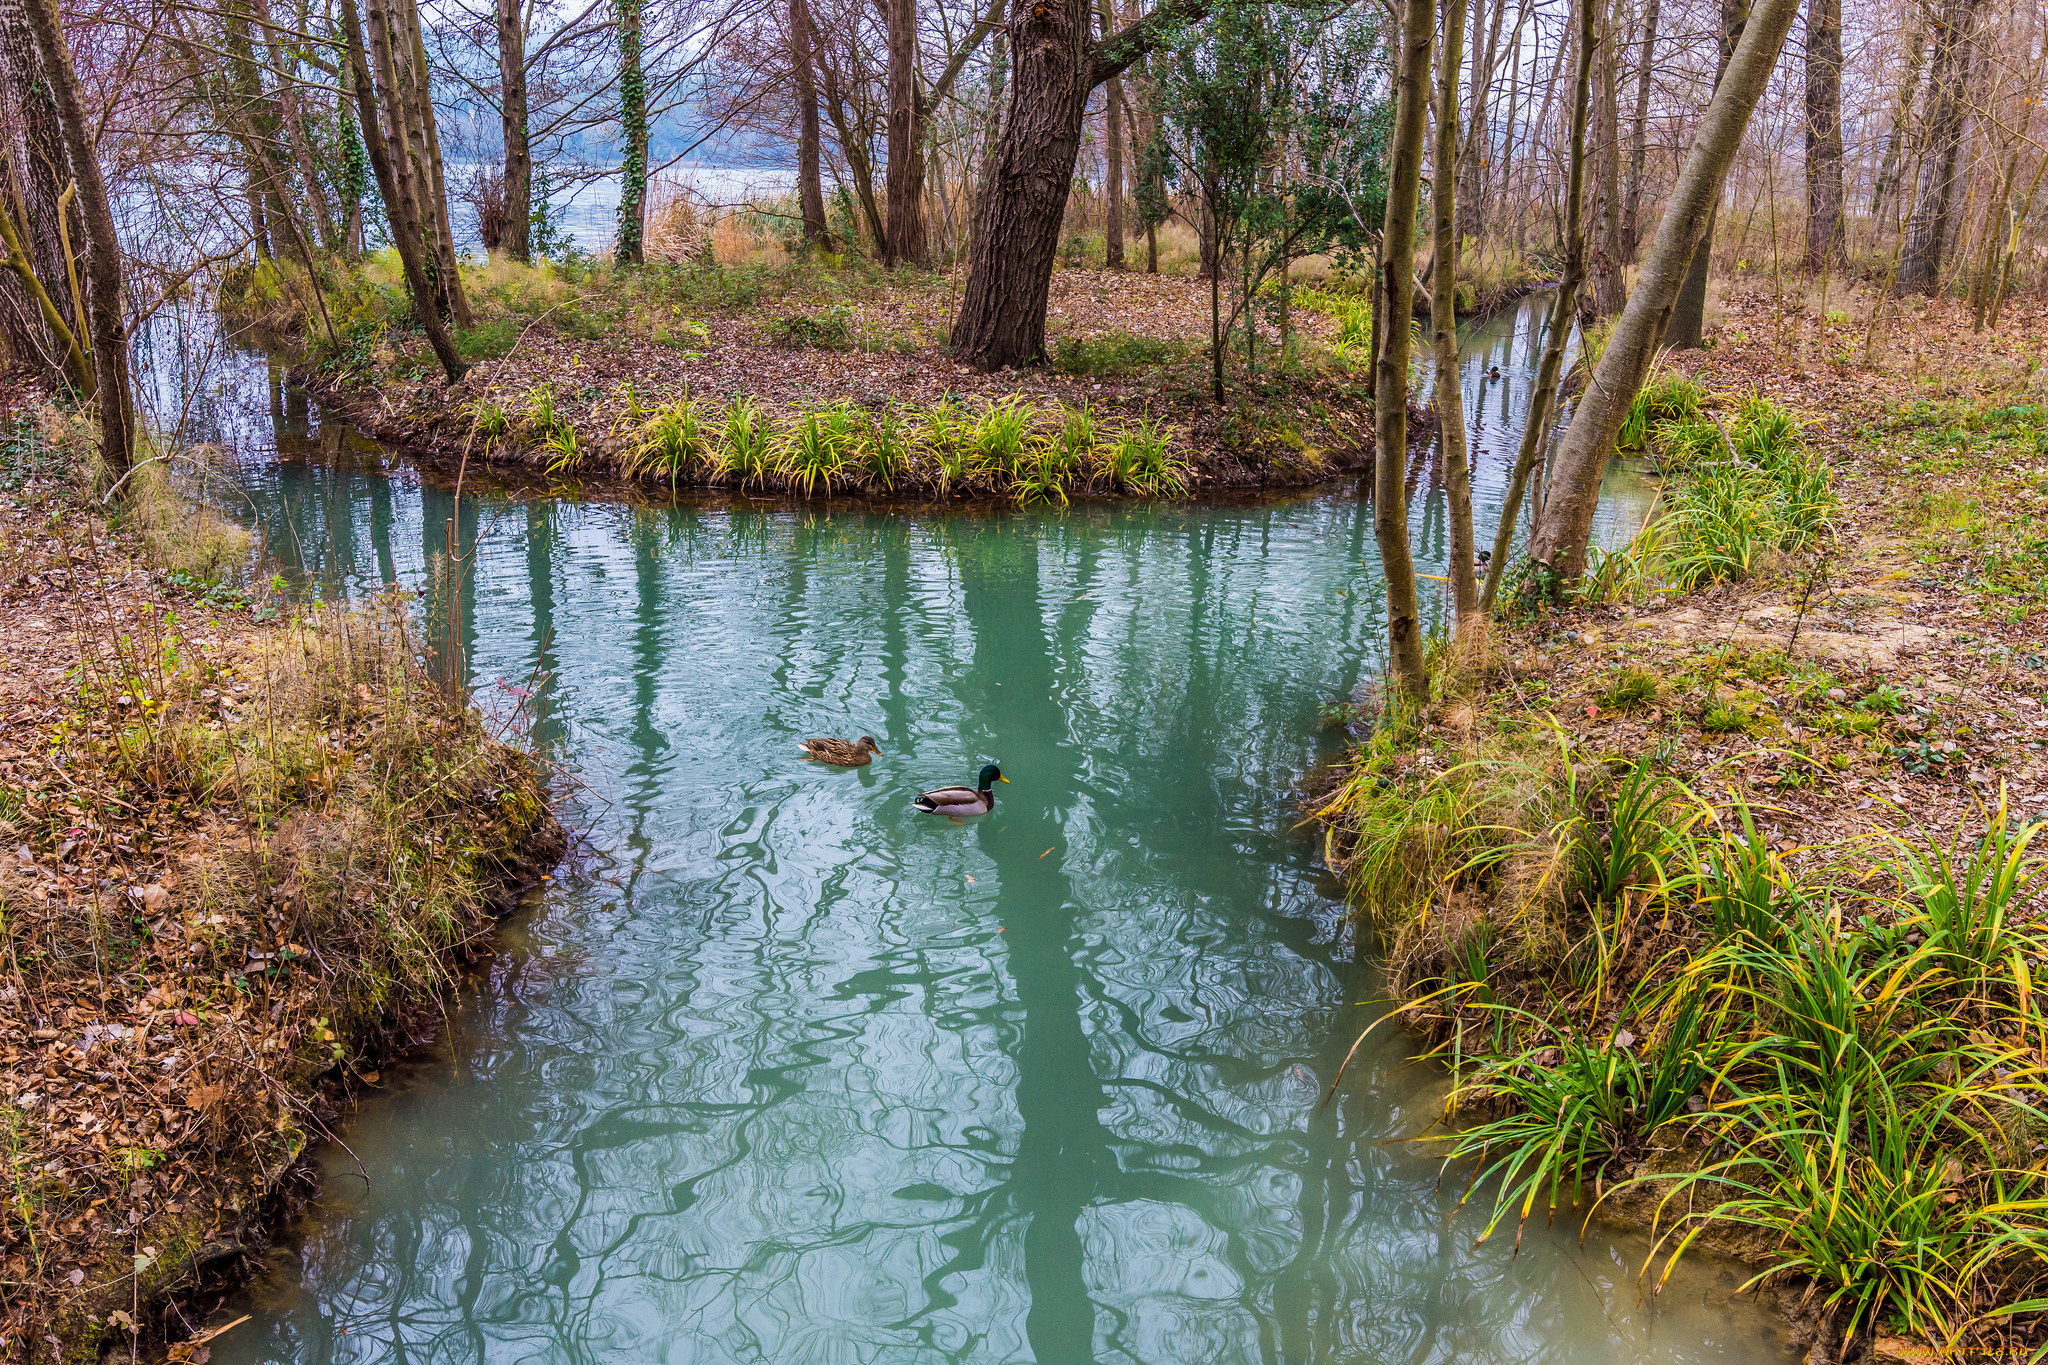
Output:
x=1117 y=354
x=828 y=330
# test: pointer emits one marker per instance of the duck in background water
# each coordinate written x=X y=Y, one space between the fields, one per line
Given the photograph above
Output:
x=954 y=802
x=840 y=753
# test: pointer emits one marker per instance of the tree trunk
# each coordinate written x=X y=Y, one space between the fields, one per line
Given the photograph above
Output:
x=1564 y=311
x=855 y=148
x=1396 y=305
x=904 y=182
x=417 y=92
x=1887 y=182
x=102 y=246
x=1823 y=134
x=1927 y=233
x=632 y=236
x=1443 y=320
x=512 y=123
x=1639 y=141
x=1113 y=177
x=1567 y=519
x=385 y=140
x=1477 y=148
x=35 y=158
x=1537 y=131
x=1687 y=330
x=1610 y=287
x=810 y=187
x=1024 y=198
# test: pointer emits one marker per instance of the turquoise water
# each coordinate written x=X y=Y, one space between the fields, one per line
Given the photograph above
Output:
x=783 y=1071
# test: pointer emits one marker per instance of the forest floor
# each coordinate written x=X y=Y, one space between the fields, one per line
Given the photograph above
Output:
x=576 y=369
x=241 y=851
x=1884 y=690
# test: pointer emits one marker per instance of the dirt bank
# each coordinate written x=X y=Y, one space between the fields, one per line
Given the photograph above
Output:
x=245 y=847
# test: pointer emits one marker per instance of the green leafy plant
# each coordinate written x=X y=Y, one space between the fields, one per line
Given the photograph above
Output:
x=748 y=446
x=813 y=453
x=1140 y=461
x=672 y=442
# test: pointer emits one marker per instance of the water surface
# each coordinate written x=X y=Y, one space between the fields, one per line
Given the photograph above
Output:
x=790 y=1073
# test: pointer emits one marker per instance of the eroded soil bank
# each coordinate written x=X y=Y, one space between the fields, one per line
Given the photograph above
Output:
x=247 y=845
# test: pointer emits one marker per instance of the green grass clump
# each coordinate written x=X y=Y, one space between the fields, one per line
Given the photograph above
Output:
x=491 y=340
x=1139 y=462
x=1669 y=398
x=814 y=451
x=1631 y=689
x=1117 y=355
x=672 y=443
x=1686 y=443
x=1000 y=435
x=830 y=329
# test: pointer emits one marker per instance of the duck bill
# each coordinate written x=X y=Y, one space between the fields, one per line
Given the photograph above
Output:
x=1004 y=780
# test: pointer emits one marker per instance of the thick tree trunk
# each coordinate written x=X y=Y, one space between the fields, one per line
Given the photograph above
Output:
x=1024 y=198
x=1934 y=204
x=1610 y=287
x=417 y=91
x=631 y=247
x=384 y=138
x=1567 y=519
x=904 y=181
x=513 y=115
x=1564 y=311
x=1687 y=330
x=1009 y=274
x=1639 y=141
x=102 y=246
x=810 y=186
x=35 y=158
x=1823 y=134
x=1443 y=320
x=1395 y=306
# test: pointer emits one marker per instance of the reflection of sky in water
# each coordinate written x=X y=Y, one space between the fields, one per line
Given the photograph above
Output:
x=793 y=1074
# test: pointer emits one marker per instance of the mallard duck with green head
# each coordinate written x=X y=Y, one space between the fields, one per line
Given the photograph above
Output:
x=954 y=802
x=841 y=752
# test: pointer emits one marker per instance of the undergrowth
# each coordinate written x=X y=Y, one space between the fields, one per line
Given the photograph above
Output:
x=1834 y=1060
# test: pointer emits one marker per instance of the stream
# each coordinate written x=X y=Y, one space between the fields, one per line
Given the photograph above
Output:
x=787 y=1072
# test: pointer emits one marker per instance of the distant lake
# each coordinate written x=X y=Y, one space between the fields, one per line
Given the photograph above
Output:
x=589 y=209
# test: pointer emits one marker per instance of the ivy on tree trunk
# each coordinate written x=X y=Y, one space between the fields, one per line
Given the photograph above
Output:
x=632 y=247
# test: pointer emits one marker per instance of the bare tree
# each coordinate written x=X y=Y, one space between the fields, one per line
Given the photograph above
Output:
x=1566 y=522
x=1443 y=318
x=1393 y=306
x=1934 y=202
x=1564 y=309
x=102 y=247
x=1823 y=133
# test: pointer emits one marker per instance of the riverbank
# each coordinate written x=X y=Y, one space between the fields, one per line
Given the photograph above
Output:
x=810 y=377
x=1720 y=889
x=247 y=845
